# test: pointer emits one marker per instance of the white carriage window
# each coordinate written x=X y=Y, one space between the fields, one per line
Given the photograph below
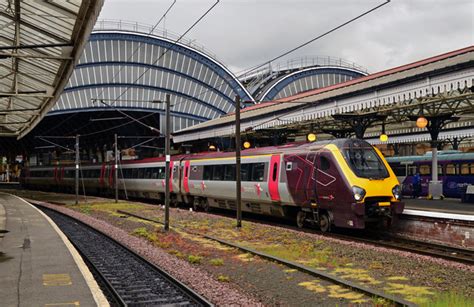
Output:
x=451 y=169
x=425 y=170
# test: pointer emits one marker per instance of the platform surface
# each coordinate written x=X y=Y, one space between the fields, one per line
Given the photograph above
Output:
x=36 y=266
x=451 y=205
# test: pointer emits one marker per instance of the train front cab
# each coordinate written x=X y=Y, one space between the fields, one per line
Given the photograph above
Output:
x=356 y=186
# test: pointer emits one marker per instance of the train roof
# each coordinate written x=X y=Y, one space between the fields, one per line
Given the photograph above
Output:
x=287 y=148
x=449 y=155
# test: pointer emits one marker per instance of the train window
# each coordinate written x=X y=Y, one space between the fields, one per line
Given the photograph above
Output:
x=364 y=161
x=471 y=167
x=134 y=173
x=140 y=173
x=440 y=169
x=218 y=172
x=147 y=174
x=451 y=169
x=162 y=173
x=399 y=170
x=325 y=164
x=245 y=170
x=465 y=169
x=425 y=170
x=207 y=174
x=154 y=173
x=258 y=171
x=229 y=172
x=275 y=171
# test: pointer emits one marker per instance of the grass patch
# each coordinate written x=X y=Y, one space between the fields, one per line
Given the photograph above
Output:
x=176 y=253
x=217 y=262
x=449 y=299
x=142 y=232
x=223 y=278
x=194 y=259
x=417 y=295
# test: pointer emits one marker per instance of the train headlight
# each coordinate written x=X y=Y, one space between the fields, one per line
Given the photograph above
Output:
x=397 y=192
x=358 y=193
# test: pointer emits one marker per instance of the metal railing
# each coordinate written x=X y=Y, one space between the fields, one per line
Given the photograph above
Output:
x=131 y=26
x=299 y=63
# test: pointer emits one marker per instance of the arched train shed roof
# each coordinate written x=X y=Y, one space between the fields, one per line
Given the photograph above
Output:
x=306 y=79
x=110 y=67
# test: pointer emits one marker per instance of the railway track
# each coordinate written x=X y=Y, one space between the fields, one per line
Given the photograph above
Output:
x=318 y=273
x=424 y=248
x=385 y=240
x=128 y=279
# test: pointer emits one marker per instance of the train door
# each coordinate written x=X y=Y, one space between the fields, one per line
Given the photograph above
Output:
x=186 y=171
x=274 y=178
x=102 y=176
x=330 y=192
x=111 y=176
x=184 y=180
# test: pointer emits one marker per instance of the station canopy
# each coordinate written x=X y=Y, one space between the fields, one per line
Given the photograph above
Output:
x=40 y=42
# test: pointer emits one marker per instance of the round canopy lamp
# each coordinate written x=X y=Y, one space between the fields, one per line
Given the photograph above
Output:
x=311 y=137
x=421 y=122
x=383 y=136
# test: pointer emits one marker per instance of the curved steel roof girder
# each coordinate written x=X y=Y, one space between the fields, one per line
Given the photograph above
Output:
x=272 y=92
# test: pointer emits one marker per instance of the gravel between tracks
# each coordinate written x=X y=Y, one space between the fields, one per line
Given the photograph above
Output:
x=197 y=279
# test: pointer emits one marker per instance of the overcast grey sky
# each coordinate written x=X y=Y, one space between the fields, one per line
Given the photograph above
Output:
x=245 y=33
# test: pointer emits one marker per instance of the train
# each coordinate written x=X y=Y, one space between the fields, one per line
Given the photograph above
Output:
x=455 y=170
x=345 y=183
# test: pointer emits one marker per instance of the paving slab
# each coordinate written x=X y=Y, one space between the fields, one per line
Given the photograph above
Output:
x=38 y=265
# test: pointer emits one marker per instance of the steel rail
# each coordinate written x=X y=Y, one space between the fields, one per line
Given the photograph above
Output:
x=311 y=271
x=420 y=247
x=193 y=296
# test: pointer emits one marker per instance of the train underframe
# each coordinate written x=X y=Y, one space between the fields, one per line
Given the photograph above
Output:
x=361 y=215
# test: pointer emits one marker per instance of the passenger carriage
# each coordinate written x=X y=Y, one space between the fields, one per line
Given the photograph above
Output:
x=345 y=183
x=455 y=170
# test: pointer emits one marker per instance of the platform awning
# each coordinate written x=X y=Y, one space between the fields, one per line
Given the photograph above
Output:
x=40 y=43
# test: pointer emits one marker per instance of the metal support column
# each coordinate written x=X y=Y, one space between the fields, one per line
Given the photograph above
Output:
x=435 y=124
x=167 y=167
x=77 y=169
x=237 y=162
x=116 y=169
